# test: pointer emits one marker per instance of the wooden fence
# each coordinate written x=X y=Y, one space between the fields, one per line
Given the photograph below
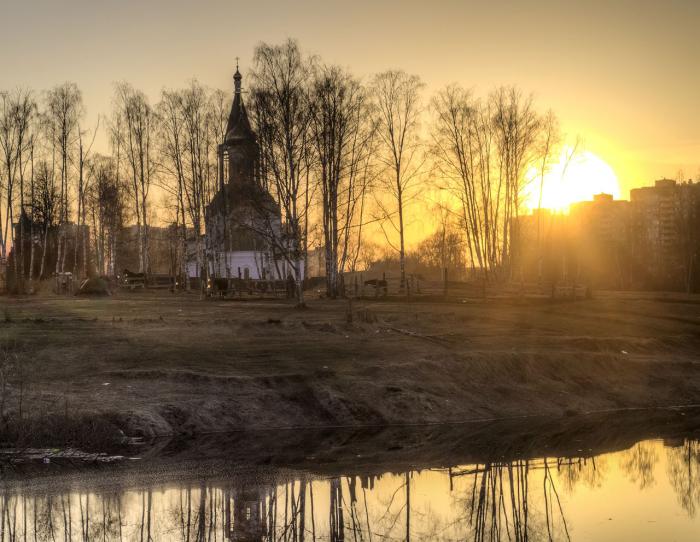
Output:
x=369 y=285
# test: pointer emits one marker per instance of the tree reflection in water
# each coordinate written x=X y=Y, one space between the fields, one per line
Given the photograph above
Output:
x=683 y=465
x=639 y=463
x=520 y=500
x=499 y=504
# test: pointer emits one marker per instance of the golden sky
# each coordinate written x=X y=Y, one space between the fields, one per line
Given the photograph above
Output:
x=624 y=75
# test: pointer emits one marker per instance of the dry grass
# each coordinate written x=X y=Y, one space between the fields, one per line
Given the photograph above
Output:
x=154 y=364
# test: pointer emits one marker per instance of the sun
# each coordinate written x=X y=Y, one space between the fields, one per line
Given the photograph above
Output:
x=577 y=176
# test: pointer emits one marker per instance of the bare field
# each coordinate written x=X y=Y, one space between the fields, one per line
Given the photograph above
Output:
x=158 y=363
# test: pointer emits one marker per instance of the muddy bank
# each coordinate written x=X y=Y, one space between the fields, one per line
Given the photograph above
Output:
x=92 y=372
x=358 y=451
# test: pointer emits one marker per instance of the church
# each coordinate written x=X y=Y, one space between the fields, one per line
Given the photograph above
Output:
x=243 y=221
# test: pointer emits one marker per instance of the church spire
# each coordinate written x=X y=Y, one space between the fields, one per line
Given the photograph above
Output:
x=238 y=127
x=237 y=77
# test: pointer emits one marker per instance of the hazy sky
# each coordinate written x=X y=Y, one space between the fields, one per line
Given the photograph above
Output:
x=624 y=75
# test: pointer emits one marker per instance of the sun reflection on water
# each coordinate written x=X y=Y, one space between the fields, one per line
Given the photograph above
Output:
x=650 y=491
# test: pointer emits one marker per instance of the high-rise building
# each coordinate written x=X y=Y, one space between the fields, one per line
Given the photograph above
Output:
x=665 y=221
x=649 y=242
x=599 y=231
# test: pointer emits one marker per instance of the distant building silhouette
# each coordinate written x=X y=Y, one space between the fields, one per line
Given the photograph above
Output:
x=600 y=233
x=666 y=221
x=649 y=242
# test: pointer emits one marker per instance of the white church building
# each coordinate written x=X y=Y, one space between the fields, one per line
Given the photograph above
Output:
x=243 y=221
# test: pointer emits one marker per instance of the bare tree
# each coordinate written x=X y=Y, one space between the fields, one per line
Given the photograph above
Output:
x=200 y=153
x=45 y=206
x=81 y=242
x=190 y=130
x=343 y=133
x=8 y=146
x=64 y=108
x=549 y=139
x=32 y=217
x=282 y=114
x=170 y=111
x=137 y=123
x=17 y=113
x=220 y=107
x=482 y=150
x=516 y=126
x=444 y=249
x=104 y=205
x=461 y=135
x=25 y=109
x=398 y=101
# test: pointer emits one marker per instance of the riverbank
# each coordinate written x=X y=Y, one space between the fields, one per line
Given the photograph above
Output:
x=93 y=372
x=360 y=451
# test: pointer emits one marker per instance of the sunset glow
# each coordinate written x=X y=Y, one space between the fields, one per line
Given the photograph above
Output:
x=312 y=270
x=576 y=176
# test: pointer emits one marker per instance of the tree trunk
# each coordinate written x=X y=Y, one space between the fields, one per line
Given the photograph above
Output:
x=402 y=248
x=43 y=251
x=31 y=231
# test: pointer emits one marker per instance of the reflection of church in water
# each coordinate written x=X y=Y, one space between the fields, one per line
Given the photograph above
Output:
x=245 y=512
x=251 y=513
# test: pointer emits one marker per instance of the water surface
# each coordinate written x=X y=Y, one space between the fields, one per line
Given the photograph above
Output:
x=650 y=491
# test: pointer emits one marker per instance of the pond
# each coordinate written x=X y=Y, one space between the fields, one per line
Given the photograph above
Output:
x=649 y=490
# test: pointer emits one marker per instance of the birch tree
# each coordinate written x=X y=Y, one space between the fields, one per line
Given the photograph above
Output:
x=190 y=126
x=45 y=206
x=283 y=116
x=81 y=242
x=17 y=113
x=516 y=126
x=137 y=124
x=170 y=111
x=104 y=211
x=343 y=135
x=64 y=109
x=482 y=150
x=462 y=150
x=8 y=147
x=398 y=101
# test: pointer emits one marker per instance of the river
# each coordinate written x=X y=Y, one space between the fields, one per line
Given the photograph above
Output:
x=649 y=490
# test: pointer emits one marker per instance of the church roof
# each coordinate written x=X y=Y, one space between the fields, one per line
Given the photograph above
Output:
x=238 y=127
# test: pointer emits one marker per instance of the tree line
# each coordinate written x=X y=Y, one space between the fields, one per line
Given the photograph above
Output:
x=347 y=160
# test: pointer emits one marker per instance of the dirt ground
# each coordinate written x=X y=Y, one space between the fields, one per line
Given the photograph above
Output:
x=162 y=364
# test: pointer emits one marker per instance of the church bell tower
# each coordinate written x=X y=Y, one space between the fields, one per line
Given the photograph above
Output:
x=238 y=153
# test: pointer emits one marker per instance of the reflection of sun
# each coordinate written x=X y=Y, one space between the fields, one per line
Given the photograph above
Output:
x=584 y=176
